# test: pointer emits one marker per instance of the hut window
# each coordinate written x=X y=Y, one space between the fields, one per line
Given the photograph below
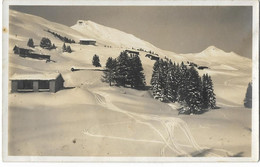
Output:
x=25 y=84
x=44 y=85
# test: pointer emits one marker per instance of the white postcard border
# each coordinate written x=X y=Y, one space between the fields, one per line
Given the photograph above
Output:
x=255 y=74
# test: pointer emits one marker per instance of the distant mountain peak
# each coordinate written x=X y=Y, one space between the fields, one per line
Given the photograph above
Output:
x=84 y=22
x=212 y=48
x=214 y=51
x=112 y=36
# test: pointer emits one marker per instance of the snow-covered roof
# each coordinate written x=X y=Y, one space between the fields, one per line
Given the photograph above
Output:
x=133 y=51
x=87 y=40
x=35 y=76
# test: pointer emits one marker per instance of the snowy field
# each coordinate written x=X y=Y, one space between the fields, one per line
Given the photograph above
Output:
x=92 y=119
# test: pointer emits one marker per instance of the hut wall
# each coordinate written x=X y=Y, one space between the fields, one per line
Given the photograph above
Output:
x=52 y=86
x=36 y=86
x=14 y=86
x=59 y=83
x=87 y=42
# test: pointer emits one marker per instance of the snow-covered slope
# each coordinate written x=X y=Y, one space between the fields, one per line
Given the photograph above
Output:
x=111 y=36
x=119 y=121
x=29 y=26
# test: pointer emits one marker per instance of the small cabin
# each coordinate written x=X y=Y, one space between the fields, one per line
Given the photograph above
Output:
x=152 y=57
x=36 y=56
x=87 y=42
x=51 y=82
x=22 y=51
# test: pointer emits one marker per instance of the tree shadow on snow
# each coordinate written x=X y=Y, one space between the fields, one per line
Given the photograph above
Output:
x=240 y=154
x=184 y=111
x=202 y=153
x=69 y=87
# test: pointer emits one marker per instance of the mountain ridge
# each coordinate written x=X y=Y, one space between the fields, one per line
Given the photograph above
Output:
x=35 y=26
x=113 y=36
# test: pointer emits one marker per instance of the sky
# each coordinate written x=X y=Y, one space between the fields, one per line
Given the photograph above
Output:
x=180 y=29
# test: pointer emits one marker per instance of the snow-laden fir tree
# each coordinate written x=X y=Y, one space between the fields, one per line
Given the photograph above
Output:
x=208 y=95
x=193 y=96
x=136 y=76
x=131 y=74
x=169 y=83
x=177 y=79
x=30 y=43
x=163 y=76
x=122 y=70
x=248 y=98
x=211 y=94
x=109 y=73
x=96 y=61
x=158 y=80
x=64 y=48
x=155 y=73
x=155 y=80
x=183 y=82
x=68 y=49
x=172 y=82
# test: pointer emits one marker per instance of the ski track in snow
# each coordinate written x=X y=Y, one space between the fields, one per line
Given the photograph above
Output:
x=168 y=123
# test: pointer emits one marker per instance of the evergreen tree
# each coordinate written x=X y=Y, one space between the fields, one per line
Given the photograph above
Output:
x=109 y=73
x=172 y=83
x=183 y=82
x=169 y=85
x=193 y=97
x=211 y=94
x=163 y=73
x=131 y=74
x=177 y=80
x=64 y=48
x=156 y=86
x=138 y=78
x=30 y=43
x=248 y=98
x=158 y=80
x=53 y=46
x=122 y=70
x=205 y=98
x=208 y=95
x=46 y=43
x=68 y=49
x=155 y=73
x=96 y=61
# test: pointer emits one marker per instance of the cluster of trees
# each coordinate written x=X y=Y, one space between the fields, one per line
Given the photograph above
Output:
x=173 y=82
x=64 y=39
x=248 y=98
x=66 y=48
x=96 y=61
x=46 y=44
x=125 y=70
